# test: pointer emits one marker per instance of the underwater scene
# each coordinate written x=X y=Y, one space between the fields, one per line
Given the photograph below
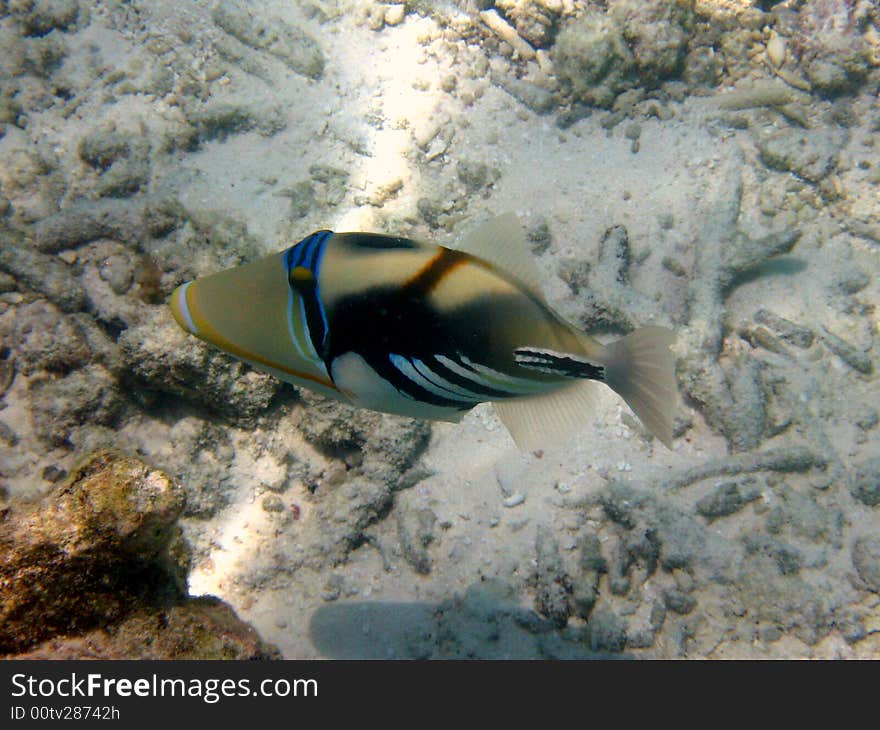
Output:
x=532 y=329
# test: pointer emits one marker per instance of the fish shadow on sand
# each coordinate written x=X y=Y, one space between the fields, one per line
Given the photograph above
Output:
x=476 y=625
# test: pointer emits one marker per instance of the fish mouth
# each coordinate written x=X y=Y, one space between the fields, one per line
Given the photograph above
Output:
x=180 y=309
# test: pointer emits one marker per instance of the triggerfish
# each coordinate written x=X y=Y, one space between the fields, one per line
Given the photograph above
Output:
x=427 y=331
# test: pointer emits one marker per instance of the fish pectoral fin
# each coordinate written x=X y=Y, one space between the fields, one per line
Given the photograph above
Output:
x=538 y=421
x=502 y=242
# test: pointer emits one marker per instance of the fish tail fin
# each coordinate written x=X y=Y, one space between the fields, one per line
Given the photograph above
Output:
x=640 y=368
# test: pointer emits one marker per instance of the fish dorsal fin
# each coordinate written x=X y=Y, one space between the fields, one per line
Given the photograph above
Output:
x=540 y=421
x=502 y=242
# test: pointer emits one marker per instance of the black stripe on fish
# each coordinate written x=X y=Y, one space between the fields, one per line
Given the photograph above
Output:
x=378 y=322
x=557 y=363
x=477 y=384
x=397 y=370
x=378 y=241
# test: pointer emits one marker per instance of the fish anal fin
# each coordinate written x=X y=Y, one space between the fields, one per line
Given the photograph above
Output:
x=502 y=242
x=540 y=421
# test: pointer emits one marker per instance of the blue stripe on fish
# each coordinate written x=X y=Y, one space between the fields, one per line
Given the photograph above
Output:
x=320 y=248
x=308 y=254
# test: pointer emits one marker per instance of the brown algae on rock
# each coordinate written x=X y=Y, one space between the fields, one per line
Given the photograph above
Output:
x=97 y=553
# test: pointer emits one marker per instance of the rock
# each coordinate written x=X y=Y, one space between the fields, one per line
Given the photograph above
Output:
x=219 y=120
x=111 y=521
x=867 y=417
x=619 y=575
x=385 y=446
x=866 y=482
x=643 y=547
x=7 y=373
x=54 y=473
x=102 y=347
x=866 y=559
x=107 y=271
x=607 y=631
x=339 y=519
x=125 y=178
x=123 y=161
x=787 y=558
x=539 y=236
x=831 y=49
x=302 y=199
x=746 y=418
x=679 y=601
x=655 y=31
x=118 y=270
x=291 y=45
x=725 y=499
x=851 y=279
x=332 y=588
x=591 y=559
x=851 y=355
x=46 y=339
x=47 y=275
x=272 y=503
x=40 y=17
x=476 y=175
x=159 y=355
x=592 y=59
x=394 y=14
x=795 y=334
x=598 y=54
x=535 y=20
x=809 y=153
x=204 y=448
x=538 y=99
x=575 y=273
x=8 y=436
x=586 y=588
x=415 y=531
x=202 y=628
x=85 y=221
x=61 y=405
x=553 y=586
x=97 y=569
x=101 y=148
x=784 y=601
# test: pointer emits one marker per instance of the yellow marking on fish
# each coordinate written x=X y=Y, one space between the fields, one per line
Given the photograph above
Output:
x=302 y=275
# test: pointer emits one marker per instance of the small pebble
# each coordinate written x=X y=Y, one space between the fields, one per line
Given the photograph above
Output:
x=776 y=51
x=633 y=131
x=395 y=14
x=273 y=503
x=54 y=473
x=514 y=500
